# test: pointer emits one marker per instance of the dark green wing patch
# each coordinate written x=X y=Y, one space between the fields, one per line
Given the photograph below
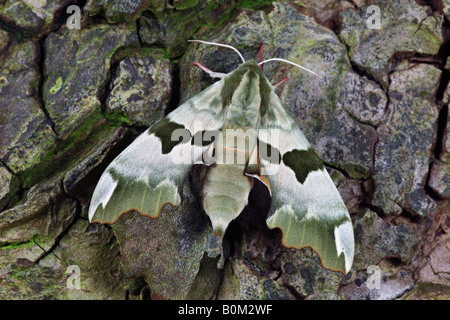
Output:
x=165 y=129
x=302 y=162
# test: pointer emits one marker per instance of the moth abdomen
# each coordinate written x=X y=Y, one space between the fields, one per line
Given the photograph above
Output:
x=225 y=194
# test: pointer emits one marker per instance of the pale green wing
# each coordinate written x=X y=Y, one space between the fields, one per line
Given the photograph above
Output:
x=306 y=205
x=149 y=172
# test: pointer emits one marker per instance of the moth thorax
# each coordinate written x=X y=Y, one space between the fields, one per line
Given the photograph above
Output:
x=233 y=146
x=225 y=194
x=244 y=109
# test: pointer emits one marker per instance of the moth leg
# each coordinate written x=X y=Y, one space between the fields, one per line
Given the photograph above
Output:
x=280 y=82
x=260 y=55
x=215 y=249
x=253 y=169
x=211 y=73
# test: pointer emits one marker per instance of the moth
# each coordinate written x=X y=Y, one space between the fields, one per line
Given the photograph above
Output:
x=240 y=130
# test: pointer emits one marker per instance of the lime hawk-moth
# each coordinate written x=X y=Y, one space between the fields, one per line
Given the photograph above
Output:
x=240 y=130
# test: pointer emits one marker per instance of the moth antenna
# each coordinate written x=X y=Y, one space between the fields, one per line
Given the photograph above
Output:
x=280 y=82
x=287 y=61
x=211 y=73
x=221 y=45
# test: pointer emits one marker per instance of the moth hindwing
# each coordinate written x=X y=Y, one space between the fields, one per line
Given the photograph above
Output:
x=237 y=127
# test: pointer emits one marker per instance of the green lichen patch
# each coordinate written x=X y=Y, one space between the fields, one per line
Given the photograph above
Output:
x=32 y=18
x=38 y=220
x=35 y=240
x=175 y=27
x=9 y=185
x=142 y=89
x=123 y=11
x=405 y=21
x=409 y=130
x=255 y=5
x=428 y=291
x=3 y=81
x=27 y=134
x=57 y=86
x=78 y=65
x=33 y=283
x=66 y=152
x=376 y=239
x=440 y=177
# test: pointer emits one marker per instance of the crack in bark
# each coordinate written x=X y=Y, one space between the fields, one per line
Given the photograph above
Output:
x=442 y=120
x=294 y=292
x=58 y=238
x=175 y=95
x=442 y=123
x=138 y=31
x=378 y=211
x=407 y=217
x=337 y=168
x=8 y=168
x=434 y=5
x=40 y=86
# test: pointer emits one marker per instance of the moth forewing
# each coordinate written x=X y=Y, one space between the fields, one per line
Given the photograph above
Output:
x=148 y=173
x=305 y=204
